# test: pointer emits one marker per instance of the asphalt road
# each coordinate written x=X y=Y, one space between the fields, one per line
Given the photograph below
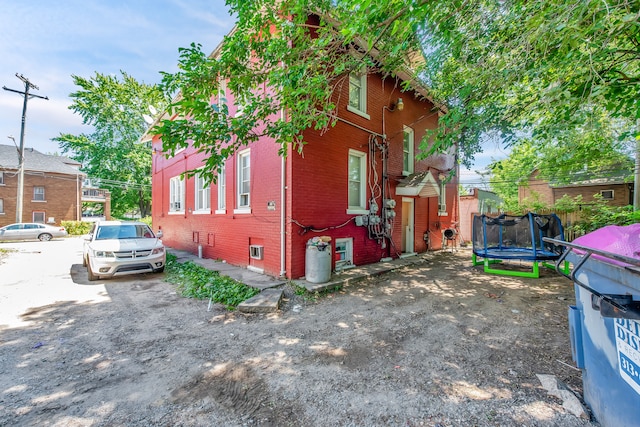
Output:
x=36 y=274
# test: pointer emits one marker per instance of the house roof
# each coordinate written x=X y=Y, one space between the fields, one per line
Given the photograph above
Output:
x=37 y=161
x=418 y=184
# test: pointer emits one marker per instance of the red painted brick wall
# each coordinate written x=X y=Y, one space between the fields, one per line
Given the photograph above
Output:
x=316 y=191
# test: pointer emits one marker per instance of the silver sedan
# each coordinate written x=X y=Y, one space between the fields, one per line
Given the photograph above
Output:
x=31 y=231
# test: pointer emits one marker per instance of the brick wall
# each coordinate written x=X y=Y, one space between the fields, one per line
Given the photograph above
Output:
x=316 y=191
x=61 y=196
x=621 y=193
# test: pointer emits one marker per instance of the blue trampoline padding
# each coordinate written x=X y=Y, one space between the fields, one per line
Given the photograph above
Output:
x=516 y=253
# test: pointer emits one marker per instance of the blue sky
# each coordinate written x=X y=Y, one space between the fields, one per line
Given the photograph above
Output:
x=48 y=41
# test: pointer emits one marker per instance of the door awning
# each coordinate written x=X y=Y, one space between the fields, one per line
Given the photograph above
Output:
x=421 y=184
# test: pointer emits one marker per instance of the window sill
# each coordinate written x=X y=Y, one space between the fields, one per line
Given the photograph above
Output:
x=406 y=173
x=38 y=201
x=202 y=212
x=360 y=211
x=176 y=212
x=358 y=112
x=220 y=211
x=442 y=214
x=242 y=211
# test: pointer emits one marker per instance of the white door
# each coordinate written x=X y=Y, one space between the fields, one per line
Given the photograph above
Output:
x=407 y=225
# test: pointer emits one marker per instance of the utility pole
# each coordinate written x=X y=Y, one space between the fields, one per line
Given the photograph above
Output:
x=27 y=96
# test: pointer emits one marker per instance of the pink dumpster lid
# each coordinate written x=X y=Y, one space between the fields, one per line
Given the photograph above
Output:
x=619 y=240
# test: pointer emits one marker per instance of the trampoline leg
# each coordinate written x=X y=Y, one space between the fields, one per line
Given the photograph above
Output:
x=535 y=273
x=474 y=260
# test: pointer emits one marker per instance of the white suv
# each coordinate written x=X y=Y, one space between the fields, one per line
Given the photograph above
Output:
x=115 y=248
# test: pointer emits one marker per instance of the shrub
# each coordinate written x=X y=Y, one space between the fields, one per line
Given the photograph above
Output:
x=194 y=281
x=76 y=228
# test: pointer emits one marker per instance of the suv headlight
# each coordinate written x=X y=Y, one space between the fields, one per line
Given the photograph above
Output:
x=103 y=254
x=157 y=251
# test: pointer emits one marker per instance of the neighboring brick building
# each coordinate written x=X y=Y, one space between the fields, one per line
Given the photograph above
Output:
x=265 y=207
x=614 y=189
x=52 y=187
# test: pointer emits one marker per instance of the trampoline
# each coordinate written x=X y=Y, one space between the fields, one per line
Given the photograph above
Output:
x=508 y=237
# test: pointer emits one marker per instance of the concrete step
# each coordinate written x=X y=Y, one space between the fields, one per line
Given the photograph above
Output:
x=266 y=301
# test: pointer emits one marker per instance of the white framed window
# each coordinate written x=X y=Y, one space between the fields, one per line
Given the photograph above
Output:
x=344 y=253
x=38 y=217
x=176 y=195
x=222 y=190
x=407 y=151
x=357 y=177
x=38 y=195
x=442 y=199
x=1 y=206
x=243 y=197
x=358 y=94
x=202 y=196
x=607 y=194
x=222 y=93
x=1 y=178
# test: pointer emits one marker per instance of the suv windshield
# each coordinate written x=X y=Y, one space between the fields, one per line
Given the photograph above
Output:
x=124 y=231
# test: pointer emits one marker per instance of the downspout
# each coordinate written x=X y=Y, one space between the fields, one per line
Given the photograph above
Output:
x=78 y=207
x=283 y=184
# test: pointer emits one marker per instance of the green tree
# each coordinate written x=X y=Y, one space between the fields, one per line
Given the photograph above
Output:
x=520 y=68
x=114 y=107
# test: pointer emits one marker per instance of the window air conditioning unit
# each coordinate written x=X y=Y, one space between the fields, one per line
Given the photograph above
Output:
x=256 y=251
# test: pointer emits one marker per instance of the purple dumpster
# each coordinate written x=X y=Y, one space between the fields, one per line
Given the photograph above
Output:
x=605 y=322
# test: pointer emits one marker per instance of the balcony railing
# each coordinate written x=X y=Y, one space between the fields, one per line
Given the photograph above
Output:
x=94 y=194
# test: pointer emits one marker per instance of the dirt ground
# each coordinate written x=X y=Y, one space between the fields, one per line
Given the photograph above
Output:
x=437 y=344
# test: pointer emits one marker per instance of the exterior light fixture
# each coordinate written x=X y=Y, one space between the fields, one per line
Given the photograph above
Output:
x=399 y=104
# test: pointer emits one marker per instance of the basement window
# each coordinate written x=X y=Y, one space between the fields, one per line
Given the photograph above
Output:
x=344 y=254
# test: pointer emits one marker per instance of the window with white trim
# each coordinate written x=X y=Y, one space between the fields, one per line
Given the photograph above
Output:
x=442 y=199
x=222 y=190
x=38 y=217
x=607 y=194
x=176 y=194
x=344 y=253
x=244 y=181
x=1 y=206
x=1 y=178
x=407 y=151
x=202 y=195
x=222 y=93
x=358 y=94
x=357 y=189
x=38 y=194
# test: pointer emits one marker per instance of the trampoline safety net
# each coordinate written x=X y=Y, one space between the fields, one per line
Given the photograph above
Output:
x=517 y=237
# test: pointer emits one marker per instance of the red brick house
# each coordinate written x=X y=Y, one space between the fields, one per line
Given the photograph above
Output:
x=52 y=187
x=357 y=182
x=613 y=189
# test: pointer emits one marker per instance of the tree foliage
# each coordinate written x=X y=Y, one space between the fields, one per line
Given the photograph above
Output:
x=114 y=107
x=538 y=69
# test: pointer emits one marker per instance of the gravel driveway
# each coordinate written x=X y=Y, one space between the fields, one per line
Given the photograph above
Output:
x=438 y=344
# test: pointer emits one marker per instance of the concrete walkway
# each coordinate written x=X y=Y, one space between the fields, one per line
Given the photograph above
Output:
x=271 y=287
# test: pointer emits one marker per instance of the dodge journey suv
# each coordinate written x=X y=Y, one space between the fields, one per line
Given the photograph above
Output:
x=115 y=248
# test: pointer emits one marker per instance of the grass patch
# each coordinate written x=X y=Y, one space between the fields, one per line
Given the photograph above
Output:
x=194 y=281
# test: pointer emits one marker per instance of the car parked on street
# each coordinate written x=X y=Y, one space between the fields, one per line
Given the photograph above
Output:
x=115 y=248
x=31 y=231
